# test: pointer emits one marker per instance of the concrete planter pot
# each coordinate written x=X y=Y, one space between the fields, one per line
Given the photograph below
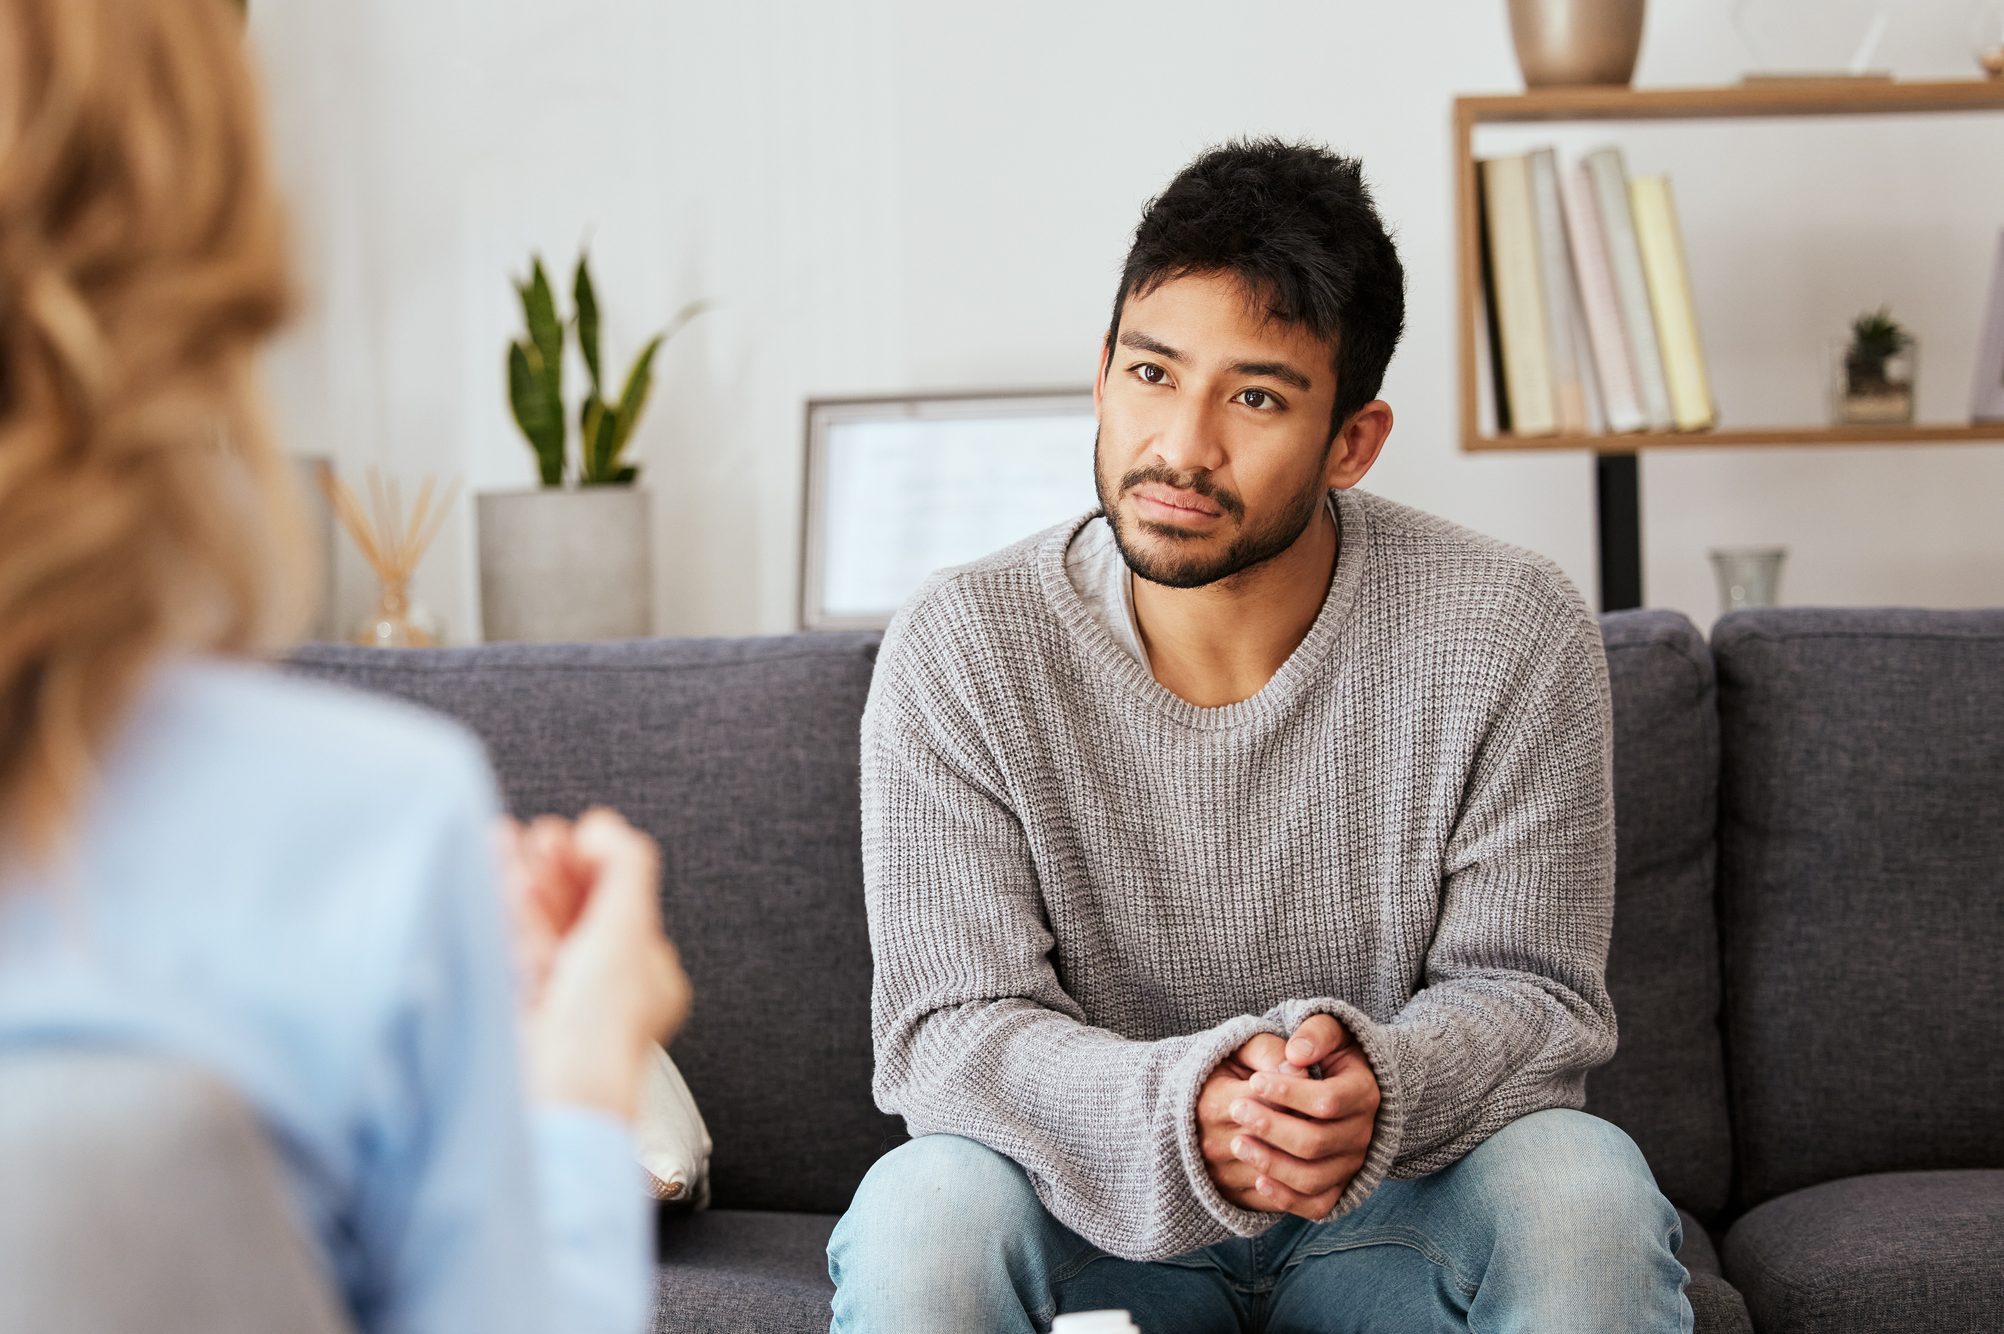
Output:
x=566 y=566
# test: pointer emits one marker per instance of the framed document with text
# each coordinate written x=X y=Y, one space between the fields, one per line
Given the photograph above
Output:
x=899 y=487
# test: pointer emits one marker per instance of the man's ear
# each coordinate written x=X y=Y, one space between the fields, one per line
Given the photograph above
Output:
x=1099 y=380
x=1357 y=444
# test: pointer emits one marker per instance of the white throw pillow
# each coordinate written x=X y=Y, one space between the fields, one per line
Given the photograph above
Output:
x=674 y=1143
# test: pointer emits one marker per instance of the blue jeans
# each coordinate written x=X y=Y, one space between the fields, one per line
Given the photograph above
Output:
x=1553 y=1223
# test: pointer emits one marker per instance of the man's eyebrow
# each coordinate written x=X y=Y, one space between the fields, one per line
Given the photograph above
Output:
x=1142 y=342
x=1272 y=370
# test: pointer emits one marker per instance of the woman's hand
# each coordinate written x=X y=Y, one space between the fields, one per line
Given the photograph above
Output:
x=602 y=983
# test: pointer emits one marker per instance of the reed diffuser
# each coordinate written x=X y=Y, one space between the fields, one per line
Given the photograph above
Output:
x=393 y=543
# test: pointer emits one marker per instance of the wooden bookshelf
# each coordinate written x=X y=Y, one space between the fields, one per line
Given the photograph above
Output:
x=1762 y=437
x=1833 y=97
x=1620 y=531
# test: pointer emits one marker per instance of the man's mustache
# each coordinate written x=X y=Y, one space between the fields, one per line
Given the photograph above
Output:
x=1198 y=482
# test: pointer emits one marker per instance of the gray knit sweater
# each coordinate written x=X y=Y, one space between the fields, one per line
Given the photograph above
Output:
x=1085 y=892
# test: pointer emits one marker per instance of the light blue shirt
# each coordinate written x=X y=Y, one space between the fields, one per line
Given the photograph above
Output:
x=294 y=887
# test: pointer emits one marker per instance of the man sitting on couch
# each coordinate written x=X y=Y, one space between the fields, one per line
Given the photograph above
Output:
x=1240 y=858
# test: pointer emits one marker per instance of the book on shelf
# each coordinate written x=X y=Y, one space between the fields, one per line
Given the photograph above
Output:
x=1562 y=321
x=1527 y=401
x=1609 y=174
x=1591 y=324
x=1669 y=282
x=1488 y=331
x=1614 y=366
x=1986 y=398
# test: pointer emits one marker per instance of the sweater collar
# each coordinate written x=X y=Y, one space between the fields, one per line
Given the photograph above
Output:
x=1142 y=694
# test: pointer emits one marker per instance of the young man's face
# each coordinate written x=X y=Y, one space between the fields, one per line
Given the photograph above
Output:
x=1213 y=432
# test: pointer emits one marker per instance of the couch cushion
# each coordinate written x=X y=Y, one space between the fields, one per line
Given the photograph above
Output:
x=740 y=756
x=1893 y=1252
x=727 y=1270
x=1666 y=1085
x=1716 y=1305
x=1861 y=881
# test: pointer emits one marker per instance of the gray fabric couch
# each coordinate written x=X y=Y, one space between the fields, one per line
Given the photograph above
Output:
x=1808 y=956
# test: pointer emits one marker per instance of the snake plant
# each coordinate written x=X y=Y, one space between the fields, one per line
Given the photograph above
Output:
x=536 y=382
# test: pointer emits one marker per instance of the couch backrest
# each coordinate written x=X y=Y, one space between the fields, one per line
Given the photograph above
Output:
x=1862 y=865
x=1666 y=1085
x=740 y=757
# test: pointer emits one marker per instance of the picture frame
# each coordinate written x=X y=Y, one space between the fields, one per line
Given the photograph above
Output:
x=899 y=486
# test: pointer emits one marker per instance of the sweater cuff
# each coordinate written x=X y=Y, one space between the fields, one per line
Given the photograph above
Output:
x=1399 y=1081
x=1207 y=1051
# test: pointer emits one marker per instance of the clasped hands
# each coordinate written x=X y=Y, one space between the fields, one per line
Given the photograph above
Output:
x=601 y=983
x=1276 y=1140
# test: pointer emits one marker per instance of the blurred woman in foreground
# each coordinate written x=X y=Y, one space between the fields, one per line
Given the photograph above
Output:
x=294 y=888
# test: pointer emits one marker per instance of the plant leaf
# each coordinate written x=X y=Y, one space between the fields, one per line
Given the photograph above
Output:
x=539 y=308
x=633 y=398
x=683 y=316
x=601 y=449
x=591 y=420
x=587 y=304
x=538 y=409
x=640 y=380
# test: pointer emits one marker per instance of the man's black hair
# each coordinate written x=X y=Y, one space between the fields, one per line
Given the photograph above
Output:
x=1296 y=225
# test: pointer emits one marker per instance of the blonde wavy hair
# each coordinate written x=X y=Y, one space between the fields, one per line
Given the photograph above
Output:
x=143 y=508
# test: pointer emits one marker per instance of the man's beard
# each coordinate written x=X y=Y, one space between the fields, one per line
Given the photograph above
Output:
x=1253 y=546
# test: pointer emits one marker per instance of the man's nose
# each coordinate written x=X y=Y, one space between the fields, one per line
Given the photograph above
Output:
x=1190 y=438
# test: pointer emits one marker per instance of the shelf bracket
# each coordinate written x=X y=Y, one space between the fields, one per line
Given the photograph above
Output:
x=1618 y=508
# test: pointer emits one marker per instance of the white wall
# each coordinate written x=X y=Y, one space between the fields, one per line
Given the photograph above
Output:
x=890 y=195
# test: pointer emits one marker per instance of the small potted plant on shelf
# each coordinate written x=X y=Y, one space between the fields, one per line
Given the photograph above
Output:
x=572 y=559
x=1875 y=372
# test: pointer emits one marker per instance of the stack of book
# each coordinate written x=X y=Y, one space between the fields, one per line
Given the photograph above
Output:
x=1591 y=326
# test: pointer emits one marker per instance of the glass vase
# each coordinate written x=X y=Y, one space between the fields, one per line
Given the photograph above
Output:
x=398 y=621
x=1748 y=576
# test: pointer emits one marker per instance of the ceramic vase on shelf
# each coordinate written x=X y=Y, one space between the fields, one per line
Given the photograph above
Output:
x=1986 y=38
x=562 y=565
x=1561 y=43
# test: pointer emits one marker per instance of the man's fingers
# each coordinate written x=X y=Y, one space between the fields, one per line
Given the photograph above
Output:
x=1263 y=1052
x=1234 y=1173
x=1350 y=1091
x=1297 y=1174
x=1314 y=1208
x=1319 y=1037
x=1301 y=1136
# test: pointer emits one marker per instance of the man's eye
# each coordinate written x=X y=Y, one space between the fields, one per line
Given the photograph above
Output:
x=1259 y=400
x=1143 y=368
